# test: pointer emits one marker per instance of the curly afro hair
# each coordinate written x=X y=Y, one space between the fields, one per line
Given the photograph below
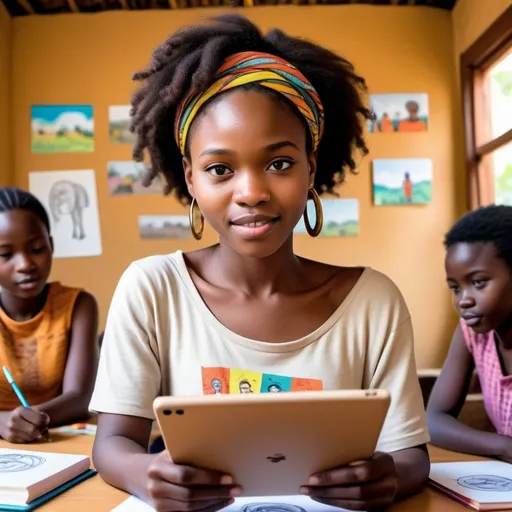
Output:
x=489 y=225
x=187 y=62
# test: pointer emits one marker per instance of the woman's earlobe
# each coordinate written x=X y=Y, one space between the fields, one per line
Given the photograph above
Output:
x=187 y=169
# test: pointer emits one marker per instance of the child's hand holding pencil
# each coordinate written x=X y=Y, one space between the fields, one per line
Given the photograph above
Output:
x=23 y=424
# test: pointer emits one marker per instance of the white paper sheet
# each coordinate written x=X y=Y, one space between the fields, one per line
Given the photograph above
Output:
x=72 y=205
x=480 y=481
x=267 y=504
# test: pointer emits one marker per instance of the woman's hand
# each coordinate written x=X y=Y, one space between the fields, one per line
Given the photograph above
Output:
x=367 y=485
x=183 y=488
x=23 y=425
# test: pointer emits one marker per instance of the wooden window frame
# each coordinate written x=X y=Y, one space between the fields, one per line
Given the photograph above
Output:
x=488 y=48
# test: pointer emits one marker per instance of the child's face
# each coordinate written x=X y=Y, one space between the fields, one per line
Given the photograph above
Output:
x=25 y=253
x=250 y=171
x=482 y=285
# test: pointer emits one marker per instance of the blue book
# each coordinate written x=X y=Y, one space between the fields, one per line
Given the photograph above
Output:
x=30 y=478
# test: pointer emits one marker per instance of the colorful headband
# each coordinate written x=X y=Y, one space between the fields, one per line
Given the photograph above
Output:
x=267 y=70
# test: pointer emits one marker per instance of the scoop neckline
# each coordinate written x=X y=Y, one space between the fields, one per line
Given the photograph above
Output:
x=7 y=319
x=258 y=345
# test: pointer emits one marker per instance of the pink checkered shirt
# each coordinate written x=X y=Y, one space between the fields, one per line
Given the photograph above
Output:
x=496 y=388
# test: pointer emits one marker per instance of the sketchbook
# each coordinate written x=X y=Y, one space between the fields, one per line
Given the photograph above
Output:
x=485 y=485
x=259 y=504
x=30 y=478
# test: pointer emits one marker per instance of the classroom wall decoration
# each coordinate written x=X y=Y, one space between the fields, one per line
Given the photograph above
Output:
x=164 y=226
x=402 y=181
x=62 y=129
x=119 y=124
x=341 y=218
x=70 y=199
x=125 y=178
x=399 y=113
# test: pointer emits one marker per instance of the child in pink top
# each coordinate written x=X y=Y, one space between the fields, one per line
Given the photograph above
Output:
x=479 y=273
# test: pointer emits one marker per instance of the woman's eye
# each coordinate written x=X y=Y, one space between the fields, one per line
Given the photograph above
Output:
x=280 y=165
x=219 y=170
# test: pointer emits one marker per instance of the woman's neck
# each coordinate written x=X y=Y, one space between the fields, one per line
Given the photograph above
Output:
x=20 y=309
x=504 y=335
x=255 y=276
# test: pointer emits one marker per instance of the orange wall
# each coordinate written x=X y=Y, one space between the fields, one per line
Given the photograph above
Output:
x=90 y=58
x=6 y=167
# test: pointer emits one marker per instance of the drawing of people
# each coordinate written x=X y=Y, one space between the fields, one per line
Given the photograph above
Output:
x=216 y=386
x=245 y=387
x=274 y=388
x=407 y=188
x=413 y=123
x=272 y=507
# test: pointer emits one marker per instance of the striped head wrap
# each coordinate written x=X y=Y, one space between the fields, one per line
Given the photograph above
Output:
x=267 y=70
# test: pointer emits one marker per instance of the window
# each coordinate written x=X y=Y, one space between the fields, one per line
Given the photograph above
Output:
x=486 y=74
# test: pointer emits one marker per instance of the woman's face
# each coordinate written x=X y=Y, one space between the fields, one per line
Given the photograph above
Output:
x=250 y=171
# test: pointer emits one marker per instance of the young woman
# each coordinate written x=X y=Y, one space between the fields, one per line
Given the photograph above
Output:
x=261 y=123
x=479 y=273
x=48 y=331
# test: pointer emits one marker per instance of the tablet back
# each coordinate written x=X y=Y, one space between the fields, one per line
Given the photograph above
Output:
x=272 y=443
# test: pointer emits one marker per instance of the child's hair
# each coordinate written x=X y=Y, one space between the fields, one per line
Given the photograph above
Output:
x=187 y=62
x=489 y=225
x=13 y=198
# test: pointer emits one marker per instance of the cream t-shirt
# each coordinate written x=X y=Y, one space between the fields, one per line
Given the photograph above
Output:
x=161 y=339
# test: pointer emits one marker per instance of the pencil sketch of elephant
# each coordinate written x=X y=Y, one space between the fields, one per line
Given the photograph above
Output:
x=69 y=198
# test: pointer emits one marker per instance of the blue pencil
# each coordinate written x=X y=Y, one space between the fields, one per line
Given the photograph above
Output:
x=20 y=396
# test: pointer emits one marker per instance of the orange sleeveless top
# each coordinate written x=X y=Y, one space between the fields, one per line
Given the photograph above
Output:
x=36 y=350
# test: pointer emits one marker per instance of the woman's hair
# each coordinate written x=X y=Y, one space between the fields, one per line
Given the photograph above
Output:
x=488 y=225
x=13 y=198
x=187 y=62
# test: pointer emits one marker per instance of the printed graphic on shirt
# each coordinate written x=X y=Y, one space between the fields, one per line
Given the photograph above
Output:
x=233 y=381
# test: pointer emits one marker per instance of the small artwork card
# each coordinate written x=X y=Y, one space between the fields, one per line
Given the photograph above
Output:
x=119 y=124
x=341 y=218
x=399 y=113
x=164 y=226
x=402 y=181
x=125 y=178
x=62 y=129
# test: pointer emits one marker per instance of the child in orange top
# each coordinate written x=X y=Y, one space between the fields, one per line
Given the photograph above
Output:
x=48 y=331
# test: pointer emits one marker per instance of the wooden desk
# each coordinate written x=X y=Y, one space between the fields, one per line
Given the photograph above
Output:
x=95 y=495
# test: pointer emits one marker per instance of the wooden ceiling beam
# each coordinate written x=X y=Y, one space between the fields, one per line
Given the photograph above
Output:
x=27 y=6
x=72 y=6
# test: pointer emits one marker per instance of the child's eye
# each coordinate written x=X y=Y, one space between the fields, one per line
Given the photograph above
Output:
x=5 y=255
x=454 y=288
x=38 y=250
x=479 y=283
x=219 y=170
x=280 y=165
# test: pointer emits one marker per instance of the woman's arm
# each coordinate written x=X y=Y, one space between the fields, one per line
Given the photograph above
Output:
x=122 y=442
x=81 y=365
x=446 y=401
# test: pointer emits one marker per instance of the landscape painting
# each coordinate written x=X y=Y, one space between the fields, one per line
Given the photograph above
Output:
x=402 y=181
x=119 y=124
x=399 y=113
x=62 y=129
x=341 y=218
x=164 y=226
x=125 y=178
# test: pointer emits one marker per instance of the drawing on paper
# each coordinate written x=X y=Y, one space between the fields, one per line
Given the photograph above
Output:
x=125 y=178
x=15 y=462
x=492 y=483
x=119 y=124
x=271 y=507
x=69 y=198
x=71 y=201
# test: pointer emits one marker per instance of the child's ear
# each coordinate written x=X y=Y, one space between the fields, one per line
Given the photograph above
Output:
x=187 y=169
x=52 y=247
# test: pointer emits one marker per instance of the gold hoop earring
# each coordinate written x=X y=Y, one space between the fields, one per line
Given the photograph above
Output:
x=192 y=214
x=319 y=221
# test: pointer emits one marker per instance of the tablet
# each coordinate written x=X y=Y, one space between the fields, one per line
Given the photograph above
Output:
x=271 y=443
